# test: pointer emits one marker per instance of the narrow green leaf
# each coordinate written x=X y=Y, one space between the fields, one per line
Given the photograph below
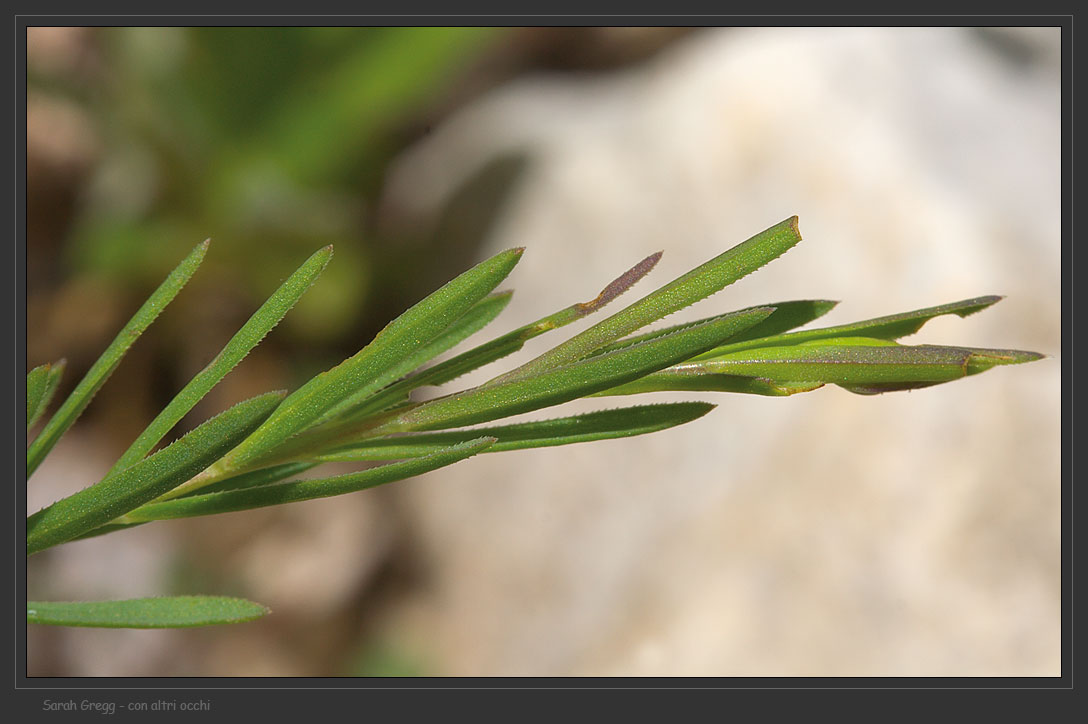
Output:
x=513 y=341
x=786 y=315
x=891 y=327
x=119 y=493
x=479 y=316
x=294 y=492
x=103 y=530
x=249 y=336
x=398 y=393
x=696 y=380
x=101 y=370
x=603 y=425
x=490 y=402
x=860 y=361
x=264 y=476
x=982 y=358
x=978 y=360
x=683 y=291
x=165 y=612
x=475 y=319
x=375 y=365
x=56 y=372
x=36 y=381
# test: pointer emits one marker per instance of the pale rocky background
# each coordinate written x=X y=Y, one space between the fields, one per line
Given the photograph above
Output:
x=825 y=534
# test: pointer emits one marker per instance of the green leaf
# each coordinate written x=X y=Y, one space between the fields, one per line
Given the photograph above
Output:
x=101 y=370
x=376 y=365
x=683 y=291
x=513 y=341
x=398 y=393
x=166 y=612
x=35 y=390
x=490 y=401
x=786 y=315
x=697 y=380
x=860 y=361
x=103 y=530
x=264 y=476
x=887 y=328
x=294 y=492
x=41 y=385
x=603 y=425
x=245 y=480
x=240 y=345
x=121 y=492
x=475 y=319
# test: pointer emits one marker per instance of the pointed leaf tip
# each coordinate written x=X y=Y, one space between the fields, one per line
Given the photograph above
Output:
x=621 y=284
x=980 y=360
x=378 y=364
x=970 y=306
x=100 y=371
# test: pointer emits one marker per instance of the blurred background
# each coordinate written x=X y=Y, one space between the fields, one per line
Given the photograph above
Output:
x=827 y=534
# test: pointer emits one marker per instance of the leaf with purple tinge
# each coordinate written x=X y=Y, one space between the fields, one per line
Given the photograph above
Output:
x=398 y=392
x=513 y=341
x=685 y=290
x=860 y=364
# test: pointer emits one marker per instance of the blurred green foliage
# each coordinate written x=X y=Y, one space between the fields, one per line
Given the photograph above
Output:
x=271 y=140
x=384 y=658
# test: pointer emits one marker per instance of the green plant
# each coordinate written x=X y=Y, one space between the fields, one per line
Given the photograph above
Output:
x=362 y=410
x=250 y=131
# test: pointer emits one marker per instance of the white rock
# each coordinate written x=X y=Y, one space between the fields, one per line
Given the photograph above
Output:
x=823 y=534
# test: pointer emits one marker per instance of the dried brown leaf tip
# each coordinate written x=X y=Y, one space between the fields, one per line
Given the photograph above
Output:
x=620 y=285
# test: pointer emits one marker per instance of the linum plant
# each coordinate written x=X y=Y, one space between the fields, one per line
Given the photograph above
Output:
x=363 y=410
